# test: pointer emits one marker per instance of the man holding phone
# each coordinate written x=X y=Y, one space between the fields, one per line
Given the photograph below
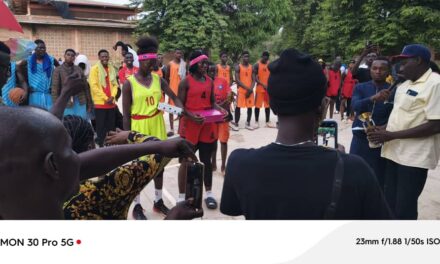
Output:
x=362 y=74
x=282 y=180
x=412 y=136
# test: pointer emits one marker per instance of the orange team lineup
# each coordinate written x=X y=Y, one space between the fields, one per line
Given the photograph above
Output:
x=251 y=83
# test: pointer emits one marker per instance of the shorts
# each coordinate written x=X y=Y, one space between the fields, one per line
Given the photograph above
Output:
x=223 y=132
x=261 y=99
x=195 y=133
x=243 y=102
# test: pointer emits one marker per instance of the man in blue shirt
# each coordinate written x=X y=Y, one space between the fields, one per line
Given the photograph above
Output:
x=370 y=97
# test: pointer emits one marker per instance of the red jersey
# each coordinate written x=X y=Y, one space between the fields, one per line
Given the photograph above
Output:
x=198 y=96
x=221 y=90
x=333 y=83
x=348 y=85
x=125 y=72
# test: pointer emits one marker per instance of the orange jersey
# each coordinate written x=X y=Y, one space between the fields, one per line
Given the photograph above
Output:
x=159 y=72
x=263 y=76
x=224 y=73
x=174 y=76
x=245 y=77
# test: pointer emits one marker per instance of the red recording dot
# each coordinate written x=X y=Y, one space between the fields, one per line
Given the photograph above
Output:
x=78 y=242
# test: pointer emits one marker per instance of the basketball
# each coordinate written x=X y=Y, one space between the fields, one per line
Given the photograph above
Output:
x=16 y=94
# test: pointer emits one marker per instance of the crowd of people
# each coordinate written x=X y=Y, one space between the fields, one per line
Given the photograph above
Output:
x=63 y=110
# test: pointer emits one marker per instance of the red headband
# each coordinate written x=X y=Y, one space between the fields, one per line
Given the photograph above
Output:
x=198 y=59
x=147 y=56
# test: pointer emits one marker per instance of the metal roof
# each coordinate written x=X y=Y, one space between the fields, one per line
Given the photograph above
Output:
x=95 y=3
x=53 y=20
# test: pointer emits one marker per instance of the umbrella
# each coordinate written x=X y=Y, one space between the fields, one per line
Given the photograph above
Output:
x=8 y=20
x=20 y=48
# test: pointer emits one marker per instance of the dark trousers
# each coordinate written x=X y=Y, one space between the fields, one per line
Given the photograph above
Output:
x=348 y=106
x=119 y=119
x=403 y=186
x=338 y=101
x=359 y=146
x=105 y=122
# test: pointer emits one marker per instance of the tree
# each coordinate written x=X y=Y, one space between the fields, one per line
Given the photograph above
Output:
x=187 y=25
x=227 y=25
x=341 y=27
x=303 y=11
x=251 y=22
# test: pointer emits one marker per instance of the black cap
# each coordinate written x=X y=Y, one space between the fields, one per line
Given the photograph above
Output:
x=296 y=84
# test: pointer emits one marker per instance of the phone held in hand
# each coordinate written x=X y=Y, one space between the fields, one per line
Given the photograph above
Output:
x=328 y=134
x=194 y=183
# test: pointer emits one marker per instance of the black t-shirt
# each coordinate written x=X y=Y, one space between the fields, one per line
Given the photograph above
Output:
x=363 y=75
x=296 y=182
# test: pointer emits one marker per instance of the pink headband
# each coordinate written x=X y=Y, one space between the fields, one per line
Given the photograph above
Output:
x=147 y=56
x=198 y=59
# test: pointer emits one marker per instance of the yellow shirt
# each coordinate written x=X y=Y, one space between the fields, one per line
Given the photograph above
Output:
x=96 y=89
x=415 y=103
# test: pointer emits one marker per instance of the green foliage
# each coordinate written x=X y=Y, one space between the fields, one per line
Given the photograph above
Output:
x=216 y=24
x=328 y=28
x=253 y=22
x=324 y=28
x=186 y=24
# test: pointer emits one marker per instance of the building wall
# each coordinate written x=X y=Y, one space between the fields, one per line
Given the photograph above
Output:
x=85 y=40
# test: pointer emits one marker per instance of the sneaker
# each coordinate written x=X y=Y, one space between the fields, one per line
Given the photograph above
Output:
x=336 y=112
x=270 y=125
x=248 y=126
x=159 y=207
x=170 y=134
x=257 y=126
x=234 y=126
x=138 y=213
x=211 y=203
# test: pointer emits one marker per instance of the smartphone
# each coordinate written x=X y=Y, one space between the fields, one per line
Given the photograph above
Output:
x=328 y=134
x=195 y=173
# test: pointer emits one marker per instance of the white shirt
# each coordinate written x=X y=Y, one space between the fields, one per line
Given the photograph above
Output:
x=415 y=104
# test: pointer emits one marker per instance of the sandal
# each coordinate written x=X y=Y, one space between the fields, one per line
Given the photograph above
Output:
x=211 y=203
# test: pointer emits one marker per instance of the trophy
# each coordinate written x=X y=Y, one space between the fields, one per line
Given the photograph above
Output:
x=369 y=125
